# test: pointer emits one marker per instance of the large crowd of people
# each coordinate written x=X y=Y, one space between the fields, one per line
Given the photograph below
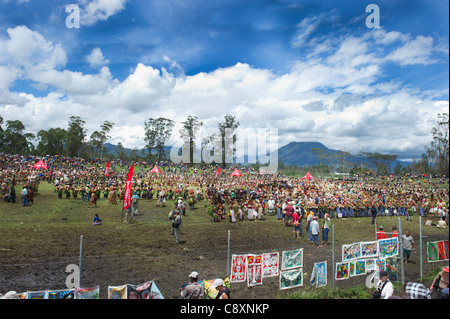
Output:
x=247 y=197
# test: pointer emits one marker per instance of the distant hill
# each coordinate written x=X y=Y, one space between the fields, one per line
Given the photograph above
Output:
x=295 y=153
x=303 y=154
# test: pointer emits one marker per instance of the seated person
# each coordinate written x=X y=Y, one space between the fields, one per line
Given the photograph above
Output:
x=97 y=220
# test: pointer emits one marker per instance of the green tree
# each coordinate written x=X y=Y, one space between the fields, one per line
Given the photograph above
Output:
x=157 y=132
x=229 y=124
x=188 y=133
x=1 y=133
x=99 y=138
x=51 y=142
x=381 y=162
x=15 y=140
x=75 y=136
x=438 y=151
x=121 y=151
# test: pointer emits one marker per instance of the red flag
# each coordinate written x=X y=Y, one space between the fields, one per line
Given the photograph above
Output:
x=107 y=169
x=127 y=199
x=218 y=172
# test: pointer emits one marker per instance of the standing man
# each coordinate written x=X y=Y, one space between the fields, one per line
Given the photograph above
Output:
x=296 y=222
x=374 y=213
x=407 y=245
x=309 y=219
x=271 y=206
x=315 y=231
x=326 y=228
x=289 y=211
x=135 y=204
x=24 y=194
x=176 y=224
x=13 y=193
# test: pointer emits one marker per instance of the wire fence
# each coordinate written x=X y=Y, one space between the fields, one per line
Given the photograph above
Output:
x=169 y=269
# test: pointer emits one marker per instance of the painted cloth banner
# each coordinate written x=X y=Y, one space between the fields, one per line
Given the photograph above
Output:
x=371 y=264
x=210 y=290
x=156 y=293
x=381 y=264
x=37 y=294
x=393 y=268
x=117 y=292
x=270 y=263
x=107 y=169
x=127 y=198
x=22 y=295
x=319 y=274
x=238 y=268
x=442 y=247
x=369 y=249
x=291 y=278
x=142 y=291
x=351 y=252
x=342 y=271
x=292 y=259
x=388 y=247
x=357 y=268
x=446 y=242
x=61 y=294
x=88 y=293
x=254 y=270
x=433 y=253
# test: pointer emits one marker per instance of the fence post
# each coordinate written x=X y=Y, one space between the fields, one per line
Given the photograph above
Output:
x=401 y=250
x=81 y=257
x=228 y=255
x=420 y=249
x=375 y=228
x=333 y=266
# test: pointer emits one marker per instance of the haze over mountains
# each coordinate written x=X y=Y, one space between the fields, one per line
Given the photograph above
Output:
x=296 y=153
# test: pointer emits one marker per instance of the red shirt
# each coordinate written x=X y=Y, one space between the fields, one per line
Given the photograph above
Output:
x=295 y=217
x=381 y=235
x=395 y=233
x=289 y=210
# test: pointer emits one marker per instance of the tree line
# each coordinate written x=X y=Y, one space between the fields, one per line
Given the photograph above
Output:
x=74 y=142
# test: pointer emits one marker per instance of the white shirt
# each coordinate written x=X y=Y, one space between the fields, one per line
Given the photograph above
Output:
x=387 y=291
x=314 y=227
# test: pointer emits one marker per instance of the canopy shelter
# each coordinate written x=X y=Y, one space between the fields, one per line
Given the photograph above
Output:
x=308 y=177
x=40 y=164
x=156 y=169
x=236 y=173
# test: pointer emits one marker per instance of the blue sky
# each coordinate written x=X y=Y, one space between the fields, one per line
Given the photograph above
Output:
x=314 y=64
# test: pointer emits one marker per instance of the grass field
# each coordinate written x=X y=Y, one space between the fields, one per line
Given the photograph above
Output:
x=39 y=241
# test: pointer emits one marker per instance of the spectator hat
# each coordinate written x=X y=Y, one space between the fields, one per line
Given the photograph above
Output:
x=218 y=282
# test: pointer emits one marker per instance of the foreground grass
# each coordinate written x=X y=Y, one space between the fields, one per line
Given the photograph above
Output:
x=358 y=292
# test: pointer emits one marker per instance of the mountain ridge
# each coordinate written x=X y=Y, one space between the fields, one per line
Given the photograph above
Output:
x=300 y=154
